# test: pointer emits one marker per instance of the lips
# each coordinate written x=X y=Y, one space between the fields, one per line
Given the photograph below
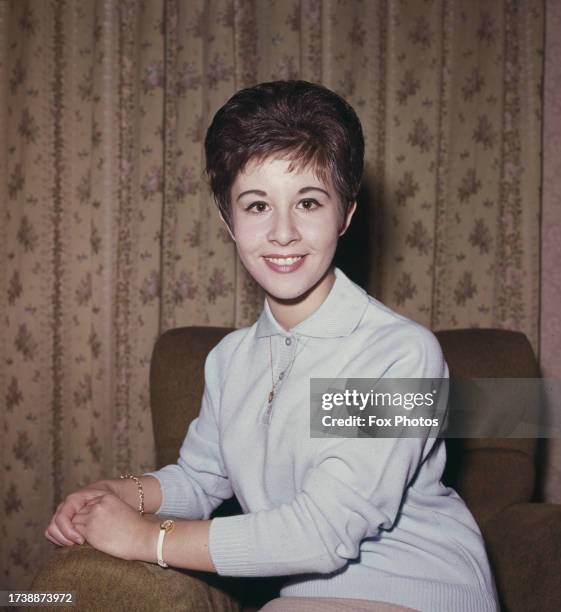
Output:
x=284 y=264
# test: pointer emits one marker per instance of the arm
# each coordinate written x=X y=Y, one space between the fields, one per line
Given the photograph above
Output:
x=185 y=546
x=354 y=489
x=194 y=486
x=112 y=526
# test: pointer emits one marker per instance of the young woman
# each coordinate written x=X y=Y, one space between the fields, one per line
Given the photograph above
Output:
x=353 y=523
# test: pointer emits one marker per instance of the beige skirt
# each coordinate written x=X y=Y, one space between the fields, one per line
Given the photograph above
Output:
x=330 y=604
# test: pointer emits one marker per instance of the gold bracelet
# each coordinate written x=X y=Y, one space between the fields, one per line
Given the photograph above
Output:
x=140 y=490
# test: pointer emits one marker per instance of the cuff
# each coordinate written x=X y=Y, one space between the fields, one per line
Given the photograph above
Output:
x=174 y=501
x=229 y=546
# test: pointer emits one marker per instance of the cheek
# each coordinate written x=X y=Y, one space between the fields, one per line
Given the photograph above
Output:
x=324 y=232
x=246 y=240
x=322 y=236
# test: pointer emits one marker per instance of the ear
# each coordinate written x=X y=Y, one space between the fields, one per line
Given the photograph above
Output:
x=348 y=216
x=227 y=226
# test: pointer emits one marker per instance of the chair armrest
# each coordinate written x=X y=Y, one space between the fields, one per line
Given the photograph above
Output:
x=524 y=546
x=104 y=582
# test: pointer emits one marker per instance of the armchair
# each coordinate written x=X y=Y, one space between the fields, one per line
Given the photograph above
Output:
x=496 y=478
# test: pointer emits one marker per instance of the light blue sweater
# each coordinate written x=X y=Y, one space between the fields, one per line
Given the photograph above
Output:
x=363 y=518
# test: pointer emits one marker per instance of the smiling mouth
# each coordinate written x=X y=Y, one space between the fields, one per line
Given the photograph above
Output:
x=284 y=261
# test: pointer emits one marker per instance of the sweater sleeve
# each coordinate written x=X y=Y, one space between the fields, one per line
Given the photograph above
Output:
x=194 y=486
x=353 y=489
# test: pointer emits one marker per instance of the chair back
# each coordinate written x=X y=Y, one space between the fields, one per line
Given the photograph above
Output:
x=177 y=384
x=490 y=473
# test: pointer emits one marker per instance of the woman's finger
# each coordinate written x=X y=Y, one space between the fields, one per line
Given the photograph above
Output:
x=54 y=534
x=50 y=538
x=64 y=523
x=58 y=536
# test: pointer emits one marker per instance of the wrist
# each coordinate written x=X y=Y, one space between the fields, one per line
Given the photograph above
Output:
x=139 y=488
x=103 y=485
x=114 y=486
x=148 y=540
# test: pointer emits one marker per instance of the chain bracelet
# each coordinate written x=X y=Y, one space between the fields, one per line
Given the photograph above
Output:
x=140 y=490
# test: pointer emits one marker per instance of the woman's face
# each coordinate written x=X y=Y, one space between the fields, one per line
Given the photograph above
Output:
x=286 y=226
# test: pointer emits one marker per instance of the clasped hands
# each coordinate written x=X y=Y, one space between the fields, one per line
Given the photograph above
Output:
x=98 y=516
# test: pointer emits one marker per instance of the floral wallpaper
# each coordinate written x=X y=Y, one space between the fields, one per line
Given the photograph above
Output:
x=109 y=235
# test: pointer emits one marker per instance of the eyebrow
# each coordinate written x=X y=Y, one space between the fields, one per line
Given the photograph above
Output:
x=264 y=193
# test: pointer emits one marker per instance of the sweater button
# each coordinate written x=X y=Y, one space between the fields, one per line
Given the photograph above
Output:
x=288 y=341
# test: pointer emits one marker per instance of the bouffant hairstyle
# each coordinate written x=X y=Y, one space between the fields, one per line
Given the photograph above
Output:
x=303 y=122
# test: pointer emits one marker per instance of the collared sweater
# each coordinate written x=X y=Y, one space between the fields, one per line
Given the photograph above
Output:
x=366 y=517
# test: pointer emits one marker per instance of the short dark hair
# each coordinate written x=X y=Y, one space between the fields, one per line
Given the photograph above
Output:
x=306 y=122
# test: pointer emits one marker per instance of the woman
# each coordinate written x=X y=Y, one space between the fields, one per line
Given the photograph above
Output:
x=354 y=523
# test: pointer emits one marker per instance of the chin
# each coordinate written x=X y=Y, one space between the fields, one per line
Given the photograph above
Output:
x=293 y=295
x=291 y=289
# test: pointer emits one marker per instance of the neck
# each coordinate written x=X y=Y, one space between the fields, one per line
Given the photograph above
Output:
x=288 y=313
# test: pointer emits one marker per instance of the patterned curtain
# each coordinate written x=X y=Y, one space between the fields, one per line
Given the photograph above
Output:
x=109 y=236
x=550 y=318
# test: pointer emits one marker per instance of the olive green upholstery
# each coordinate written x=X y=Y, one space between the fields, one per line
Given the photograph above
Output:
x=496 y=477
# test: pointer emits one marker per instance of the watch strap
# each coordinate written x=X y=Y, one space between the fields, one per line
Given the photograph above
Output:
x=165 y=526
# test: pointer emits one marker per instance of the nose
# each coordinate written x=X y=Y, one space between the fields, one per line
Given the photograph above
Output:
x=283 y=228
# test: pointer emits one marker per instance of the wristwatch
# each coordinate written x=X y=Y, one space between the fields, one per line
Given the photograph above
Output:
x=165 y=527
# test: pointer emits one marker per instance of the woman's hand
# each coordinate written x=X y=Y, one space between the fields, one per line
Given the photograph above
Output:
x=112 y=526
x=60 y=530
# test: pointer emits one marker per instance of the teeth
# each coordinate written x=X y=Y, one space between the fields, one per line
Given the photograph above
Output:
x=285 y=261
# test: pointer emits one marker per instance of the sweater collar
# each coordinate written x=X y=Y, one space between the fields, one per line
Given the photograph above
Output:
x=338 y=315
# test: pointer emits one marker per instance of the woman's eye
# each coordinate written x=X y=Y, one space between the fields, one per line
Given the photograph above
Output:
x=310 y=204
x=259 y=206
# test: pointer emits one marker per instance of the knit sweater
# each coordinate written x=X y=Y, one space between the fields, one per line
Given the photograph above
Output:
x=365 y=518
